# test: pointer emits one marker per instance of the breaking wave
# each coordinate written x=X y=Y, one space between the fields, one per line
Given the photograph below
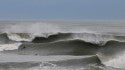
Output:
x=95 y=38
x=46 y=39
x=113 y=54
x=75 y=38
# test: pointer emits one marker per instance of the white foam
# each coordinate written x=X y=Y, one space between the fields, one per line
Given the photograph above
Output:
x=9 y=46
x=117 y=61
x=16 y=37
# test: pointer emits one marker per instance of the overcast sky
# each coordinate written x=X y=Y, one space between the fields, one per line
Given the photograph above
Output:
x=62 y=9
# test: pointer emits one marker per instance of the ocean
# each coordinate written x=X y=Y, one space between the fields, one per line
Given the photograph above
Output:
x=62 y=45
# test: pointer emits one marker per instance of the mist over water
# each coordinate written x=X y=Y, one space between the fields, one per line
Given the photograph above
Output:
x=72 y=41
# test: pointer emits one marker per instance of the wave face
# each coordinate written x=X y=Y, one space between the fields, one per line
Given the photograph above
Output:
x=104 y=41
x=75 y=47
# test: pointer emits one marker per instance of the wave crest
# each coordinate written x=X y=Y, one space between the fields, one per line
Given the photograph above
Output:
x=95 y=38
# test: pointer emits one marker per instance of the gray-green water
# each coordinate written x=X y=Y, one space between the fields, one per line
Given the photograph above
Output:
x=62 y=45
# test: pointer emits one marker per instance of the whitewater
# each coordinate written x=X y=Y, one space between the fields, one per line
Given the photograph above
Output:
x=62 y=45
